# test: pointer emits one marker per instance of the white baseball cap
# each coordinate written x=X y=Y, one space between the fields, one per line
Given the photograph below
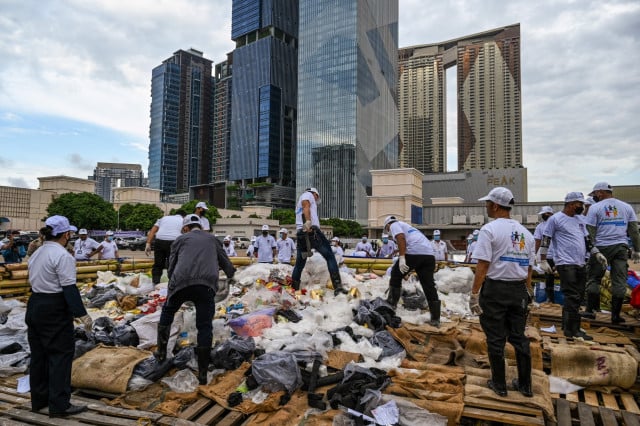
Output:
x=265 y=227
x=83 y=232
x=59 y=224
x=589 y=201
x=436 y=232
x=574 y=196
x=202 y=205
x=284 y=231
x=475 y=232
x=191 y=219
x=499 y=195
x=601 y=186
x=385 y=235
x=388 y=220
x=109 y=232
x=227 y=238
x=470 y=237
x=253 y=238
x=335 y=239
x=546 y=210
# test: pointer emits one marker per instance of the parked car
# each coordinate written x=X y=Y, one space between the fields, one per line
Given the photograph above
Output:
x=140 y=243
x=241 y=242
x=124 y=243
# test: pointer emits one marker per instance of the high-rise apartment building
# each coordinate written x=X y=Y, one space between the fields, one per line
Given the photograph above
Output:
x=222 y=120
x=116 y=175
x=347 y=100
x=180 y=131
x=488 y=98
x=264 y=99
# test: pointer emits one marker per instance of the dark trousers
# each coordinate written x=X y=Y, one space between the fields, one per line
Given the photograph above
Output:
x=320 y=243
x=503 y=318
x=202 y=297
x=617 y=256
x=50 y=336
x=572 y=282
x=550 y=283
x=161 y=252
x=424 y=265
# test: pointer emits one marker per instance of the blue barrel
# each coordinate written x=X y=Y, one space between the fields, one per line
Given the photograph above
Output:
x=558 y=295
x=540 y=293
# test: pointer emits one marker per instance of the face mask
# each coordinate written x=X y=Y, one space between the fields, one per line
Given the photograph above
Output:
x=110 y=238
x=385 y=240
x=265 y=233
x=226 y=243
x=437 y=238
x=333 y=243
x=545 y=218
x=596 y=198
x=579 y=210
x=282 y=236
x=364 y=240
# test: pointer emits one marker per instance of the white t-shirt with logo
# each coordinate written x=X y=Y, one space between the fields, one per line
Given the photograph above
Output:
x=82 y=249
x=508 y=246
x=286 y=247
x=567 y=234
x=439 y=249
x=611 y=218
x=265 y=246
x=538 y=233
x=417 y=242
x=109 y=250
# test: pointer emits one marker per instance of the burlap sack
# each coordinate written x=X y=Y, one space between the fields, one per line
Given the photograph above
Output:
x=106 y=368
x=594 y=365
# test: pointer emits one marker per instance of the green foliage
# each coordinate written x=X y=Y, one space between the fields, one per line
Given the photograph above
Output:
x=212 y=214
x=235 y=216
x=285 y=216
x=343 y=228
x=84 y=210
x=142 y=217
x=254 y=216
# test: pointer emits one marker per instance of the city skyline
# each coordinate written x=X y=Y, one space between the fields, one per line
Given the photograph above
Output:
x=75 y=90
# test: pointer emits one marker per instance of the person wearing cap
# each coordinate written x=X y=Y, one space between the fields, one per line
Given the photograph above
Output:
x=545 y=213
x=336 y=248
x=228 y=247
x=609 y=221
x=588 y=202
x=52 y=306
x=309 y=236
x=388 y=248
x=11 y=250
x=567 y=231
x=265 y=246
x=502 y=290
x=251 y=249
x=164 y=231
x=364 y=247
x=285 y=246
x=415 y=252
x=194 y=264
x=439 y=247
x=84 y=247
x=472 y=246
x=108 y=248
x=201 y=211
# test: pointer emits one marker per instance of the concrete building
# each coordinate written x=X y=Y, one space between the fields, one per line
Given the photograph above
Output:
x=222 y=120
x=109 y=176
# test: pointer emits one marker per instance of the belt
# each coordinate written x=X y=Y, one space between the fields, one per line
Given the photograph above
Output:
x=492 y=281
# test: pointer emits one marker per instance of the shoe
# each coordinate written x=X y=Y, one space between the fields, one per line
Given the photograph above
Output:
x=203 y=364
x=434 y=309
x=616 y=307
x=523 y=389
x=500 y=391
x=73 y=409
x=394 y=296
x=163 y=340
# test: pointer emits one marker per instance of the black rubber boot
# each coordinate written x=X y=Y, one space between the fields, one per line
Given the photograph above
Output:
x=295 y=285
x=616 y=307
x=434 y=309
x=203 y=364
x=572 y=327
x=163 y=341
x=394 y=296
x=523 y=382
x=337 y=286
x=549 y=289
x=593 y=306
x=498 y=382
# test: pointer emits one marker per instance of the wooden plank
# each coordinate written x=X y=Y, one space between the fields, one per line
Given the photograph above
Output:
x=103 y=408
x=232 y=419
x=497 y=416
x=563 y=412
x=174 y=421
x=585 y=415
x=211 y=415
x=40 y=419
x=194 y=409
x=608 y=417
x=501 y=406
x=629 y=403
x=98 y=419
x=13 y=399
x=591 y=398
x=630 y=419
x=14 y=392
x=7 y=422
x=610 y=401
x=573 y=397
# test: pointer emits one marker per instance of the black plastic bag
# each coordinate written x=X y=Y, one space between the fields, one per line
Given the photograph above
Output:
x=232 y=353
x=82 y=347
x=102 y=328
x=182 y=358
x=151 y=369
x=125 y=335
x=384 y=339
x=99 y=300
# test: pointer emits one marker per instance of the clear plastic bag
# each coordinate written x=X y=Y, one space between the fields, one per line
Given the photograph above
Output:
x=389 y=345
x=277 y=371
x=138 y=383
x=183 y=381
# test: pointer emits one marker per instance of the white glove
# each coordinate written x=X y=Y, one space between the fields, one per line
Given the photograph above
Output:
x=147 y=249
x=601 y=259
x=307 y=226
x=474 y=304
x=635 y=256
x=87 y=322
x=402 y=264
x=544 y=265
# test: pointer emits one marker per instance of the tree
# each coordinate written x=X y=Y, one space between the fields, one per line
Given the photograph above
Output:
x=142 y=217
x=212 y=214
x=285 y=216
x=84 y=210
x=343 y=228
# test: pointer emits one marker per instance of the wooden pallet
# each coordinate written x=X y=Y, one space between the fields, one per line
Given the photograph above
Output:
x=587 y=407
x=551 y=313
x=501 y=412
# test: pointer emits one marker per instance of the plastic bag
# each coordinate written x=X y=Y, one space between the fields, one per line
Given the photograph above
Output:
x=231 y=354
x=138 y=383
x=276 y=371
x=183 y=381
x=82 y=347
x=99 y=300
x=183 y=357
x=252 y=324
x=102 y=328
x=125 y=335
x=151 y=369
x=389 y=345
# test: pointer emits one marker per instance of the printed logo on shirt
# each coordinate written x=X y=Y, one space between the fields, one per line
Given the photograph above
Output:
x=517 y=254
x=611 y=216
x=611 y=211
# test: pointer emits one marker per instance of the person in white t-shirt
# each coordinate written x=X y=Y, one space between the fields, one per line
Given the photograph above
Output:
x=545 y=213
x=502 y=290
x=415 y=252
x=228 y=247
x=388 y=248
x=84 y=247
x=265 y=246
x=164 y=231
x=439 y=247
x=251 y=249
x=363 y=248
x=609 y=221
x=286 y=247
x=108 y=248
x=201 y=210
x=336 y=247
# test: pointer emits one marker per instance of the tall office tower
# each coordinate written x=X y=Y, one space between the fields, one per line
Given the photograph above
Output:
x=489 y=104
x=180 y=130
x=422 y=106
x=264 y=99
x=347 y=100
x=222 y=121
x=116 y=175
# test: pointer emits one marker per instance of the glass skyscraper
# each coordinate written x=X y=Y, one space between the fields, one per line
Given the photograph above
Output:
x=180 y=129
x=347 y=100
x=264 y=96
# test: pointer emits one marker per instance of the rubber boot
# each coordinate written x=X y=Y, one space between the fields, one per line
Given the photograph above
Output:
x=337 y=286
x=549 y=288
x=593 y=305
x=163 y=341
x=498 y=382
x=203 y=364
x=616 y=307
x=295 y=285
x=572 y=327
x=394 y=296
x=434 y=309
x=523 y=382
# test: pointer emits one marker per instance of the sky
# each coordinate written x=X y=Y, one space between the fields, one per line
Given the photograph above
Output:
x=75 y=80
